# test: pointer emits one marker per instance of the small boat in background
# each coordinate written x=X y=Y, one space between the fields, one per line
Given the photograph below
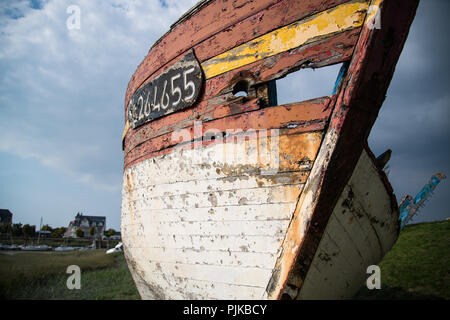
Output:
x=9 y=246
x=42 y=247
x=65 y=249
x=232 y=196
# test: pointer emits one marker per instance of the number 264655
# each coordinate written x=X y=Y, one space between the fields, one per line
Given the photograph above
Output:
x=174 y=90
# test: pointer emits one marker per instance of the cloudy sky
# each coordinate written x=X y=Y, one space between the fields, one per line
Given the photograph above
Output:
x=62 y=93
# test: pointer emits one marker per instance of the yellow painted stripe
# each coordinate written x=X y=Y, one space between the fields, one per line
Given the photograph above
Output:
x=341 y=18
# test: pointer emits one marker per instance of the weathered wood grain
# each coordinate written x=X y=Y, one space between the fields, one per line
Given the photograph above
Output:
x=228 y=212
x=249 y=212
x=224 y=244
x=190 y=256
x=324 y=24
x=302 y=117
x=238 y=196
x=227 y=183
x=244 y=116
x=317 y=54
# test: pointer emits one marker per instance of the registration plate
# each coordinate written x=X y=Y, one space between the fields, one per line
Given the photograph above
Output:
x=175 y=89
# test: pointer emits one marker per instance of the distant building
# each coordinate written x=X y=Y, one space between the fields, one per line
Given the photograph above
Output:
x=44 y=233
x=85 y=223
x=5 y=216
x=116 y=236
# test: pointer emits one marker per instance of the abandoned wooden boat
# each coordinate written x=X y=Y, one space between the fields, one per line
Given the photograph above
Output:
x=236 y=197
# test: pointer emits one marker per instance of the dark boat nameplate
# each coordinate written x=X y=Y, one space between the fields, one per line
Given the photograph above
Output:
x=176 y=88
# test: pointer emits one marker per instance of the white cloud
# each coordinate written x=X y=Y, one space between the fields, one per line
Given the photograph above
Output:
x=62 y=91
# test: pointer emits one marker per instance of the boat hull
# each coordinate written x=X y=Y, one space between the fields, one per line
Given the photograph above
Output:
x=207 y=233
x=240 y=198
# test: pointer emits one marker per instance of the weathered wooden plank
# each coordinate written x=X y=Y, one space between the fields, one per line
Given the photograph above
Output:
x=294 y=115
x=221 y=291
x=263 y=212
x=351 y=254
x=278 y=15
x=317 y=54
x=229 y=160
x=224 y=258
x=312 y=128
x=343 y=17
x=211 y=228
x=184 y=288
x=254 y=277
x=227 y=243
x=281 y=194
x=204 y=111
x=237 y=155
x=221 y=184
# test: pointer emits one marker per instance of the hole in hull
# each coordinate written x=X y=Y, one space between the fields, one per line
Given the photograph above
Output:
x=307 y=84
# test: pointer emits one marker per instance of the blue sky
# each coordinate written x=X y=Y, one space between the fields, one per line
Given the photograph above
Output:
x=62 y=93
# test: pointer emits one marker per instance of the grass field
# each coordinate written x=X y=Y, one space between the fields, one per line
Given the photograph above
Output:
x=42 y=275
x=418 y=267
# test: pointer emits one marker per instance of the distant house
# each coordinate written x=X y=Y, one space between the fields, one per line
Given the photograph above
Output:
x=85 y=223
x=116 y=236
x=5 y=216
x=44 y=233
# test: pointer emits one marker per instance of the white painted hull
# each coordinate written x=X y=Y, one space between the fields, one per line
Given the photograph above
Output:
x=362 y=229
x=198 y=231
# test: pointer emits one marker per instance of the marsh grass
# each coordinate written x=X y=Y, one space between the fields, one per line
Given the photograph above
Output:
x=42 y=275
x=417 y=267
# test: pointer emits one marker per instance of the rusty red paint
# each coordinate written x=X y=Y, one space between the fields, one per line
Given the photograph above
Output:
x=306 y=116
x=327 y=51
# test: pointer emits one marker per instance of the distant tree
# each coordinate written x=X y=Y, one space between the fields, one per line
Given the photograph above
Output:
x=5 y=227
x=46 y=227
x=28 y=231
x=79 y=233
x=17 y=229
x=92 y=231
x=58 y=232
x=110 y=232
